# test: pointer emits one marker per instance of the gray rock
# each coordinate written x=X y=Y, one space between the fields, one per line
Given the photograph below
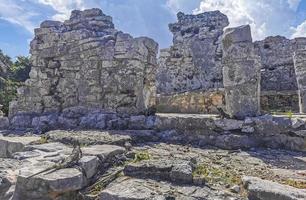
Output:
x=94 y=121
x=137 y=122
x=178 y=171
x=140 y=189
x=21 y=121
x=268 y=190
x=45 y=123
x=104 y=152
x=90 y=165
x=89 y=137
x=237 y=35
x=11 y=145
x=4 y=122
x=45 y=186
x=181 y=173
x=241 y=73
x=229 y=124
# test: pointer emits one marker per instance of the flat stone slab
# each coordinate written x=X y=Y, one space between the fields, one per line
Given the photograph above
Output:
x=104 y=152
x=268 y=190
x=49 y=185
x=177 y=171
x=51 y=147
x=140 y=189
x=10 y=145
x=89 y=137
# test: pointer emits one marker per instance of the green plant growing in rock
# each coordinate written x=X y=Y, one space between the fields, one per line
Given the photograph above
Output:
x=43 y=139
x=142 y=155
x=289 y=114
x=212 y=174
x=295 y=183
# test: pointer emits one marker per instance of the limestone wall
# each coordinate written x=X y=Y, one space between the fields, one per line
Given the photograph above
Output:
x=193 y=63
x=86 y=61
x=194 y=60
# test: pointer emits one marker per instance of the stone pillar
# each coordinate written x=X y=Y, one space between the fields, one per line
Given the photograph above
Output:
x=300 y=71
x=241 y=73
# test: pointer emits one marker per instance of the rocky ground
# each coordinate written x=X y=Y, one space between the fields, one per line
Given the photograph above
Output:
x=127 y=165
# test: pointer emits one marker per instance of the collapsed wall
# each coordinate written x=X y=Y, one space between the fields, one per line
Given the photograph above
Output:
x=191 y=67
x=193 y=62
x=278 y=79
x=85 y=61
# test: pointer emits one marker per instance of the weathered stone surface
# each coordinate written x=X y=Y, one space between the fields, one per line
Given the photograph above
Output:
x=10 y=145
x=89 y=137
x=90 y=165
x=268 y=190
x=194 y=59
x=138 y=189
x=104 y=152
x=263 y=131
x=177 y=171
x=300 y=66
x=191 y=102
x=4 y=122
x=86 y=62
x=241 y=73
x=50 y=186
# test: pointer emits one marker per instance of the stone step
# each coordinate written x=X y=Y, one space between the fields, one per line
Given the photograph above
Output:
x=263 y=131
x=177 y=171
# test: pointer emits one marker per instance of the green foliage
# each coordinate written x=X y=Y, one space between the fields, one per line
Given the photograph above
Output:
x=19 y=71
x=143 y=155
x=213 y=174
x=8 y=92
x=12 y=76
x=289 y=114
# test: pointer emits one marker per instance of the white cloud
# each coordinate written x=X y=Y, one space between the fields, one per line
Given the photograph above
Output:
x=16 y=14
x=273 y=17
x=294 y=4
x=63 y=7
x=299 y=31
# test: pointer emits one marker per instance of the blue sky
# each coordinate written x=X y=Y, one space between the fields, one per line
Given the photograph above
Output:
x=150 y=18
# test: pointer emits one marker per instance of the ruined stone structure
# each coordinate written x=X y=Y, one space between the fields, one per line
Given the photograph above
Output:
x=241 y=73
x=86 y=61
x=278 y=80
x=194 y=60
x=276 y=59
x=100 y=84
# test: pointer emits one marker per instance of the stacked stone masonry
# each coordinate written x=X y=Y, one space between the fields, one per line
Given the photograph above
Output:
x=241 y=73
x=86 y=61
x=203 y=73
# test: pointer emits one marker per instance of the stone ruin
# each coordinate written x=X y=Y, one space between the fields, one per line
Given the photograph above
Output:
x=103 y=86
x=189 y=77
x=86 y=62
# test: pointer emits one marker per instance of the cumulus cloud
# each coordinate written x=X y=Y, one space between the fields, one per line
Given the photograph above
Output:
x=273 y=17
x=299 y=31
